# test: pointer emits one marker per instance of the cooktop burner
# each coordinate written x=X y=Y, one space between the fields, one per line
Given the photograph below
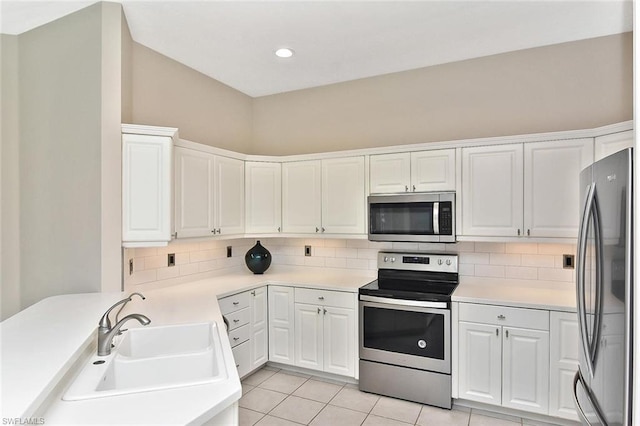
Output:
x=414 y=276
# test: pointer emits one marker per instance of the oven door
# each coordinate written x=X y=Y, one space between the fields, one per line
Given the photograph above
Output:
x=410 y=336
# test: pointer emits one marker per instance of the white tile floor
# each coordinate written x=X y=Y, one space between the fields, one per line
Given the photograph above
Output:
x=279 y=397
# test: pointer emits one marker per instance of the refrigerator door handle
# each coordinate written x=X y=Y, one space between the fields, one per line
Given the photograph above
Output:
x=597 y=325
x=596 y=409
x=580 y=270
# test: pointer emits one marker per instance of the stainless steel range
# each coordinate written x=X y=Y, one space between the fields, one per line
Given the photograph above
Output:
x=405 y=327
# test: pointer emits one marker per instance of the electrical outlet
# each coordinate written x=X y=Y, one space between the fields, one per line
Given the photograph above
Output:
x=171 y=259
x=130 y=266
x=307 y=250
x=229 y=251
x=568 y=261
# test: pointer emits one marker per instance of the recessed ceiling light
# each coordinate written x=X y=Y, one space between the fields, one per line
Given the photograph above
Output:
x=284 y=52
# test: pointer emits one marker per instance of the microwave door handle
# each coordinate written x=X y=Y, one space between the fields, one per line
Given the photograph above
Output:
x=436 y=218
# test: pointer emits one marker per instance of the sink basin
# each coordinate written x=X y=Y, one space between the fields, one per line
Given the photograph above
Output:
x=151 y=359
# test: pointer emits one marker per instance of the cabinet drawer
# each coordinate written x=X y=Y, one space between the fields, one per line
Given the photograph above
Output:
x=498 y=315
x=242 y=357
x=239 y=335
x=238 y=318
x=234 y=303
x=338 y=299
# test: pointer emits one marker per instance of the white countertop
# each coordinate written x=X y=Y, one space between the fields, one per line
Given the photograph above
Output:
x=555 y=296
x=41 y=343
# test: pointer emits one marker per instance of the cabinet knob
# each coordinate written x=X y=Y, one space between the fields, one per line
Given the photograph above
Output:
x=318 y=310
x=320 y=297
x=406 y=188
x=501 y=317
x=317 y=229
x=414 y=188
x=325 y=311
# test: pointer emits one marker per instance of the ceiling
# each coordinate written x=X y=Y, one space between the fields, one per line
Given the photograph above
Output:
x=335 y=41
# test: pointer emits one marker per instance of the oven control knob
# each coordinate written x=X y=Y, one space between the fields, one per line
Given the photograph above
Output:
x=439 y=261
x=422 y=344
x=448 y=262
x=386 y=259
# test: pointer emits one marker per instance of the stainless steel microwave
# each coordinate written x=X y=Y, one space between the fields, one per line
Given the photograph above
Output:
x=416 y=217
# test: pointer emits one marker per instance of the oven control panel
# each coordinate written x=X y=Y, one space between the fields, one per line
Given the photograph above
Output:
x=415 y=261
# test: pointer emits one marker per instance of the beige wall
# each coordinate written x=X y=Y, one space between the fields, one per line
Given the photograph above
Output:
x=69 y=154
x=167 y=93
x=9 y=178
x=126 y=70
x=574 y=85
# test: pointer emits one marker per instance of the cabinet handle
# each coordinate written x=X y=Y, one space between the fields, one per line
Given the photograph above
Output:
x=325 y=311
x=236 y=303
x=528 y=232
x=406 y=188
x=237 y=365
x=236 y=338
x=414 y=188
x=278 y=229
x=236 y=320
x=506 y=333
x=518 y=232
x=317 y=229
x=320 y=297
x=213 y=231
x=253 y=293
x=501 y=317
x=318 y=310
x=497 y=331
x=322 y=229
x=219 y=231
x=174 y=235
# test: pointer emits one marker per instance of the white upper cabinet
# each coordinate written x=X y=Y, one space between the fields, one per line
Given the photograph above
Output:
x=610 y=144
x=228 y=195
x=263 y=198
x=209 y=194
x=420 y=171
x=390 y=173
x=301 y=196
x=324 y=196
x=343 y=197
x=147 y=190
x=552 y=193
x=194 y=193
x=492 y=190
x=523 y=190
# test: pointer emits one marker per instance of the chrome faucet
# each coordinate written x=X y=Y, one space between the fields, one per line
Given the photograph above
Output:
x=106 y=332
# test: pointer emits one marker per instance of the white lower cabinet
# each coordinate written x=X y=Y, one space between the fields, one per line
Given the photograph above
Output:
x=325 y=331
x=563 y=364
x=281 y=324
x=504 y=356
x=246 y=314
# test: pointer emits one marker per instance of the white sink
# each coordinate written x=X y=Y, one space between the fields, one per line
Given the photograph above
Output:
x=151 y=359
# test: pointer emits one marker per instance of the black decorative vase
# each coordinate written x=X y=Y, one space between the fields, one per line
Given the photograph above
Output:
x=258 y=259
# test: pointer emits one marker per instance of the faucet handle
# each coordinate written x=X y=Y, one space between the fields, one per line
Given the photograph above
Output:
x=105 y=322
x=128 y=300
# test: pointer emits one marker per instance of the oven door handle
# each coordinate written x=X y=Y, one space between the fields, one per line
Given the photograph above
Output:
x=403 y=302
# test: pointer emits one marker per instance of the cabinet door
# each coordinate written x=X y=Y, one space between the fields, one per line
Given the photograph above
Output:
x=281 y=324
x=433 y=170
x=308 y=336
x=563 y=364
x=525 y=370
x=552 y=188
x=610 y=144
x=390 y=173
x=146 y=188
x=343 y=197
x=263 y=198
x=339 y=341
x=492 y=190
x=259 y=328
x=241 y=355
x=194 y=193
x=480 y=362
x=301 y=197
x=229 y=195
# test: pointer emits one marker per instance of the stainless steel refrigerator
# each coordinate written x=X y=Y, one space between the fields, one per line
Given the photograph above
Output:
x=603 y=383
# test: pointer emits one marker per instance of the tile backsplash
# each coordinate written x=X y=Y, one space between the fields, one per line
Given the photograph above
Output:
x=529 y=261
